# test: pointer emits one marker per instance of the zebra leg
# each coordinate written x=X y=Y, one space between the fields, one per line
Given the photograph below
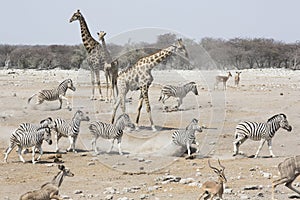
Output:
x=66 y=99
x=8 y=150
x=277 y=182
x=20 y=154
x=262 y=142
x=240 y=139
x=119 y=146
x=33 y=155
x=72 y=140
x=94 y=146
x=111 y=147
x=41 y=153
x=188 y=148
x=57 y=136
x=179 y=102
x=270 y=148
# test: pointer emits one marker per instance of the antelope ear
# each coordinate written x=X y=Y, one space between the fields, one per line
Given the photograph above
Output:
x=61 y=167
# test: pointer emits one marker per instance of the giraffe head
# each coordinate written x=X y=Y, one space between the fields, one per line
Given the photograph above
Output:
x=180 y=48
x=101 y=35
x=76 y=16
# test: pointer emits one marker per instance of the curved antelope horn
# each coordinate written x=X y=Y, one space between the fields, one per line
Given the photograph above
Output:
x=221 y=165
x=211 y=166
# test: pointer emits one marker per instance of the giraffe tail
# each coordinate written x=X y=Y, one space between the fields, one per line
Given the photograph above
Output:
x=28 y=101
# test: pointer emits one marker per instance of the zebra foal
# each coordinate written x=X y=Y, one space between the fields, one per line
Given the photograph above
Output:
x=55 y=93
x=186 y=137
x=69 y=129
x=110 y=131
x=260 y=132
x=178 y=92
x=25 y=139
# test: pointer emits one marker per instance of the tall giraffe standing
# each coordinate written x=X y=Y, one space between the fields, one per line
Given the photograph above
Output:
x=139 y=77
x=110 y=68
x=95 y=51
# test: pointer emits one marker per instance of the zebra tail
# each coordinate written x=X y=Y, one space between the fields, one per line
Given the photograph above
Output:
x=31 y=98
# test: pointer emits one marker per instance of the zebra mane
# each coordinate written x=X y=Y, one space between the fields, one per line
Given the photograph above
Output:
x=65 y=81
x=124 y=114
x=272 y=118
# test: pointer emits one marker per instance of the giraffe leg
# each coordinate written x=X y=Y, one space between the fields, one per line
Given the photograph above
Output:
x=97 y=73
x=93 y=84
x=148 y=108
x=107 y=84
x=140 y=105
x=117 y=103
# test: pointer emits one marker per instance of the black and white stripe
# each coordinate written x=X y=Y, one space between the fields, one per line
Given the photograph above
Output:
x=25 y=137
x=187 y=137
x=110 y=131
x=178 y=92
x=55 y=93
x=260 y=131
x=69 y=129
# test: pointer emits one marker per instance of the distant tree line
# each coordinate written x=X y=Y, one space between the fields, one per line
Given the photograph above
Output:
x=209 y=53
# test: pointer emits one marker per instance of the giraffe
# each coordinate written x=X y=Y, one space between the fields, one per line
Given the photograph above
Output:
x=139 y=77
x=95 y=51
x=110 y=68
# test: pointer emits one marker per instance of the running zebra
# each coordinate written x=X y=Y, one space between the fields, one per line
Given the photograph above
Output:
x=187 y=137
x=260 y=131
x=178 y=92
x=26 y=139
x=110 y=131
x=69 y=129
x=55 y=93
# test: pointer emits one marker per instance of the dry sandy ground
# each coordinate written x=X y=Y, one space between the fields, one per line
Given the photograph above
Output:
x=262 y=94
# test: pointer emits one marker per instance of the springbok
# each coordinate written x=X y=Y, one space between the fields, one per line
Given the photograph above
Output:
x=237 y=78
x=222 y=79
x=289 y=170
x=213 y=188
x=49 y=190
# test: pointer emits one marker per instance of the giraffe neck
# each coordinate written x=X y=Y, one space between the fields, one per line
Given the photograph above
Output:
x=108 y=58
x=153 y=60
x=88 y=41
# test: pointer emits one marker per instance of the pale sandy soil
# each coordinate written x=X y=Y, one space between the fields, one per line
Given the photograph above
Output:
x=262 y=94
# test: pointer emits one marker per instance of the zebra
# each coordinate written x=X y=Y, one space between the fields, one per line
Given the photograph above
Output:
x=178 y=92
x=29 y=127
x=69 y=129
x=260 y=131
x=55 y=93
x=110 y=131
x=25 y=139
x=186 y=137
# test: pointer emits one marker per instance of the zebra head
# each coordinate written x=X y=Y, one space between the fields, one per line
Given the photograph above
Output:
x=194 y=125
x=70 y=84
x=284 y=123
x=194 y=88
x=48 y=122
x=124 y=120
x=81 y=116
x=47 y=136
